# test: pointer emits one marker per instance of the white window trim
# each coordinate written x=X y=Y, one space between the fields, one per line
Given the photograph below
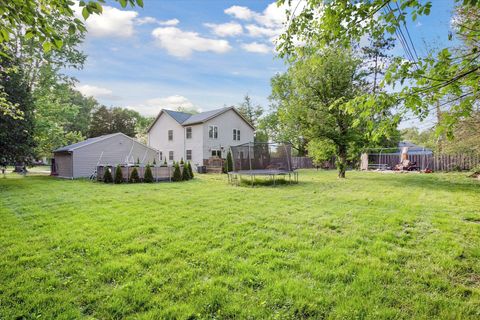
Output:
x=168 y=135
x=173 y=155
x=186 y=133
x=236 y=134
x=191 y=154
x=217 y=152
x=213 y=132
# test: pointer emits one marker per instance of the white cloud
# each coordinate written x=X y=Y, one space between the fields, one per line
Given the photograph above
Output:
x=171 y=22
x=94 y=91
x=174 y=101
x=151 y=107
x=152 y=20
x=239 y=12
x=182 y=44
x=111 y=23
x=257 y=31
x=269 y=23
x=225 y=29
x=256 y=47
x=146 y=20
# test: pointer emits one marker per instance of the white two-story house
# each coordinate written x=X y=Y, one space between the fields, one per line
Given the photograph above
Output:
x=199 y=137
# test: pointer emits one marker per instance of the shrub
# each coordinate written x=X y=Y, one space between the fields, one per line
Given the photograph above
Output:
x=190 y=170
x=476 y=169
x=186 y=172
x=181 y=161
x=148 y=176
x=177 y=174
x=118 y=175
x=134 y=177
x=138 y=160
x=154 y=162
x=107 y=176
x=165 y=162
x=229 y=162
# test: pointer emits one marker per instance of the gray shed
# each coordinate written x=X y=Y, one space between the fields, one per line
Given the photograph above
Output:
x=79 y=160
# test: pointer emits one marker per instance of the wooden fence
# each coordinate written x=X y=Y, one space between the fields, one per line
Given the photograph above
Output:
x=435 y=162
x=302 y=162
x=307 y=163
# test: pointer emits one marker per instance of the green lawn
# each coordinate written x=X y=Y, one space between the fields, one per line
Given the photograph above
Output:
x=372 y=246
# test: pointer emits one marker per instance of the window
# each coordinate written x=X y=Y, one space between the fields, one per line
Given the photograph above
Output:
x=170 y=135
x=170 y=155
x=189 y=132
x=216 y=153
x=236 y=135
x=189 y=155
x=213 y=132
x=161 y=155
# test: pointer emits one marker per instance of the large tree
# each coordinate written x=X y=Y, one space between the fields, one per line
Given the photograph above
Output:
x=315 y=92
x=111 y=120
x=16 y=135
x=62 y=115
x=447 y=78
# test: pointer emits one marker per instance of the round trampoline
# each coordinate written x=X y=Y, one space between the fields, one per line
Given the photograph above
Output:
x=262 y=159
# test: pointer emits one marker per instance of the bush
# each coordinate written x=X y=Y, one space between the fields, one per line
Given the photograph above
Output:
x=190 y=170
x=154 y=162
x=118 y=175
x=181 y=161
x=229 y=162
x=148 y=176
x=107 y=176
x=186 y=173
x=165 y=162
x=224 y=167
x=476 y=169
x=134 y=177
x=177 y=174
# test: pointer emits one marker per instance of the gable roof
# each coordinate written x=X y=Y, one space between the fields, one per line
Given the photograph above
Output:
x=89 y=141
x=180 y=117
x=186 y=119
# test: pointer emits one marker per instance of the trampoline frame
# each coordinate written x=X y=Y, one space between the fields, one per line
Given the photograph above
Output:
x=234 y=177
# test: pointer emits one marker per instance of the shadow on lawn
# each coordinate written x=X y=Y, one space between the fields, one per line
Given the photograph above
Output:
x=426 y=181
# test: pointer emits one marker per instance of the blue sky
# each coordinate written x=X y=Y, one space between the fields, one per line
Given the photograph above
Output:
x=202 y=54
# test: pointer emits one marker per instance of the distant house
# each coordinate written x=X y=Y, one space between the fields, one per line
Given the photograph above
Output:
x=81 y=159
x=198 y=137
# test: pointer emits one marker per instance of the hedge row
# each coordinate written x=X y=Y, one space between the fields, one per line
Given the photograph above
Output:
x=178 y=175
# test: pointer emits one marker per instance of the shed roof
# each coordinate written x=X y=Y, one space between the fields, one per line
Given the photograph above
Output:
x=89 y=141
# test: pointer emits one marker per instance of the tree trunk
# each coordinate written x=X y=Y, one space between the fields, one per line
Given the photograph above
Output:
x=342 y=161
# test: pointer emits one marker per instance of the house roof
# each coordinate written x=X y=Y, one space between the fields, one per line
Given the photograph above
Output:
x=89 y=141
x=180 y=117
x=186 y=119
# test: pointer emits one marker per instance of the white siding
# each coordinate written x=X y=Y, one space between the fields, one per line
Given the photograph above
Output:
x=158 y=137
x=117 y=149
x=225 y=122
x=195 y=144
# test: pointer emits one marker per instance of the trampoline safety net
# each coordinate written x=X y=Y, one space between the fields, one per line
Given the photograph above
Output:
x=262 y=156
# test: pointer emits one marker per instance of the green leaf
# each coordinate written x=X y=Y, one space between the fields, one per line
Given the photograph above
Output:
x=58 y=43
x=123 y=3
x=85 y=13
x=72 y=29
x=47 y=46
x=140 y=3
